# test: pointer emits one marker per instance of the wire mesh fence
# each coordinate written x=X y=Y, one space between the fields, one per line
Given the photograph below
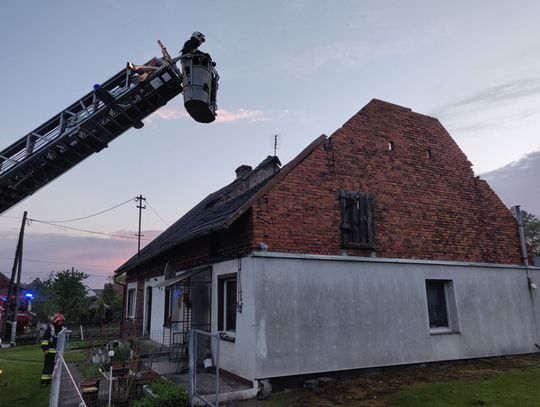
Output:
x=204 y=358
x=112 y=366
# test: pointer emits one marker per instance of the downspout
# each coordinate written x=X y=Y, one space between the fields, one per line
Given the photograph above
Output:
x=523 y=247
x=525 y=260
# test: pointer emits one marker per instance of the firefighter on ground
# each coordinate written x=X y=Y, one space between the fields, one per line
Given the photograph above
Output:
x=48 y=345
x=191 y=46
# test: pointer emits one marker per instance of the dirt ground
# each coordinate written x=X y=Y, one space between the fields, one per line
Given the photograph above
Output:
x=373 y=388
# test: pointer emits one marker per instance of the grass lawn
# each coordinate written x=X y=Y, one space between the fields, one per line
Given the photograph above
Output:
x=21 y=368
x=502 y=389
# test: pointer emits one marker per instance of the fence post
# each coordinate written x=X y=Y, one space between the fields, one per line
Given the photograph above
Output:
x=217 y=369
x=58 y=365
x=192 y=364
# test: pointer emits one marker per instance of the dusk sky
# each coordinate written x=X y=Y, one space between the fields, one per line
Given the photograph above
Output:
x=297 y=69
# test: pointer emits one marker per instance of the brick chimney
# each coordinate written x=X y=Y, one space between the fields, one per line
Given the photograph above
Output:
x=242 y=171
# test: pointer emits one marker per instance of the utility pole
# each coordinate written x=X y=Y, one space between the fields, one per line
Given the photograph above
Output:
x=16 y=289
x=139 y=199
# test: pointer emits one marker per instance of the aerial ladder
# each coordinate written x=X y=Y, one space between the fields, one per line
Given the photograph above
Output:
x=92 y=122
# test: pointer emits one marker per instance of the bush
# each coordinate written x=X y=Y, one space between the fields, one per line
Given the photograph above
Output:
x=167 y=394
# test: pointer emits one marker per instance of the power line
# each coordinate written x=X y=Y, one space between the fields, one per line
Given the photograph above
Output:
x=11 y=217
x=53 y=272
x=157 y=214
x=86 y=217
x=57 y=262
x=85 y=230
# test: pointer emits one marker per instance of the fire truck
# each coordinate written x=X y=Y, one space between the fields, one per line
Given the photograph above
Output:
x=25 y=316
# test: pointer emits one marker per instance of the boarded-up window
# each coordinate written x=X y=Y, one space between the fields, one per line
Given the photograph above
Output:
x=357 y=219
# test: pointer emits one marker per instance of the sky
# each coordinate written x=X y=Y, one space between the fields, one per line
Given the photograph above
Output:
x=297 y=69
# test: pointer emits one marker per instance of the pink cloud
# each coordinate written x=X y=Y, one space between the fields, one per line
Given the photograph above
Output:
x=96 y=256
x=223 y=116
x=170 y=113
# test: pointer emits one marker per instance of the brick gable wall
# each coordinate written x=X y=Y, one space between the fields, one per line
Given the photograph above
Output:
x=427 y=207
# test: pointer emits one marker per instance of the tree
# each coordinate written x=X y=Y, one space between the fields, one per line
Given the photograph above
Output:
x=70 y=294
x=531 y=227
x=112 y=298
x=43 y=303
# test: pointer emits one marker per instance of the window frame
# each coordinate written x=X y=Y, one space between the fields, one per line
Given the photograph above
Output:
x=450 y=307
x=225 y=308
x=357 y=220
x=131 y=303
x=167 y=307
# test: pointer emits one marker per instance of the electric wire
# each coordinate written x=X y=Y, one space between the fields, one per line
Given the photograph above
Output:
x=86 y=217
x=11 y=217
x=38 y=274
x=85 y=230
x=57 y=262
x=157 y=214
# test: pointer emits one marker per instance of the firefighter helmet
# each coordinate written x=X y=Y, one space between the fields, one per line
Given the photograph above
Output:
x=58 y=317
x=198 y=35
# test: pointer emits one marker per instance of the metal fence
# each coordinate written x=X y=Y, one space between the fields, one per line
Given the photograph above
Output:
x=87 y=375
x=201 y=359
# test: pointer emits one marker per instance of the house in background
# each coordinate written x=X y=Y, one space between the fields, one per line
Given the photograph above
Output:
x=4 y=284
x=376 y=246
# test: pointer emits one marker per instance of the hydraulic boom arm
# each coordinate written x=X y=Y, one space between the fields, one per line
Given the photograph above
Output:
x=84 y=128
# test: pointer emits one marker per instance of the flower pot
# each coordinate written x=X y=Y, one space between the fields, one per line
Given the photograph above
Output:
x=90 y=394
x=89 y=383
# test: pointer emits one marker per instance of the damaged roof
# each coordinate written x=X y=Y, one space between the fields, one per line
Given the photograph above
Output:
x=220 y=209
x=210 y=215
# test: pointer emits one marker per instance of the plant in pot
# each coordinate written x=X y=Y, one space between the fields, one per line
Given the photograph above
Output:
x=90 y=384
x=122 y=353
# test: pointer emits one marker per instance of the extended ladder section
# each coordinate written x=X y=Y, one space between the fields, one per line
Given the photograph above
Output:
x=84 y=128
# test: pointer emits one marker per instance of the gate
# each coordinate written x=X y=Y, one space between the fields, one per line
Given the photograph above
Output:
x=201 y=347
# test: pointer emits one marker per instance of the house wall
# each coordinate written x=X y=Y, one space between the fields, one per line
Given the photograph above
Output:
x=425 y=207
x=158 y=306
x=205 y=250
x=322 y=313
x=238 y=357
x=4 y=284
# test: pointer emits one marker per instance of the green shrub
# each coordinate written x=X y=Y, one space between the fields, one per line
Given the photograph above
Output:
x=168 y=395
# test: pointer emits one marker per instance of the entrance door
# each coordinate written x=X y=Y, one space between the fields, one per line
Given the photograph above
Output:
x=148 y=309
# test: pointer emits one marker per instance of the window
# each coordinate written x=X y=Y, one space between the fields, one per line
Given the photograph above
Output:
x=441 y=306
x=168 y=307
x=131 y=303
x=357 y=220
x=227 y=303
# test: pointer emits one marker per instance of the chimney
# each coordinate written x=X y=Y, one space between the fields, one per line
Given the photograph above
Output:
x=242 y=171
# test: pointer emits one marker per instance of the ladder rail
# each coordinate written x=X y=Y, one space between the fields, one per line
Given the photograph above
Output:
x=88 y=118
x=51 y=129
x=67 y=118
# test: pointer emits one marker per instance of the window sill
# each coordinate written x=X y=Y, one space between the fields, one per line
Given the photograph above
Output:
x=360 y=246
x=227 y=336
x=443 y=331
